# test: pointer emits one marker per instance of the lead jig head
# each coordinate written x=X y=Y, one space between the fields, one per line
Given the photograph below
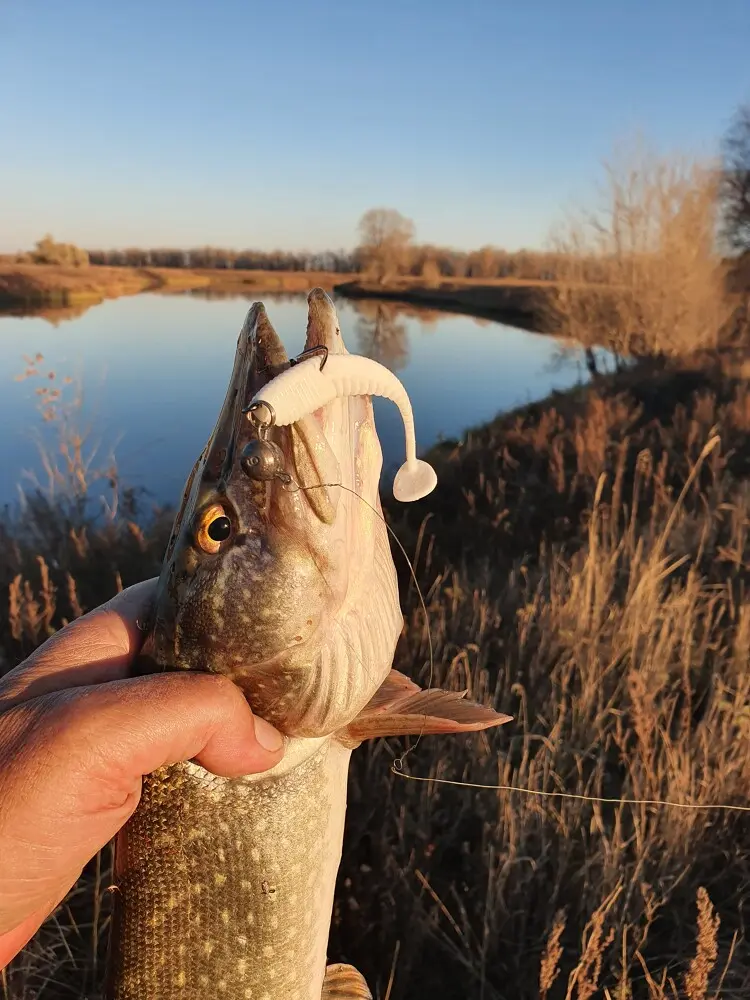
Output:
x=262 y=459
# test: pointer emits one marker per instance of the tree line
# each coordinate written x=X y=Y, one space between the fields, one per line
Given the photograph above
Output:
x=219 y=257
x=387 y=246
x=380 y=258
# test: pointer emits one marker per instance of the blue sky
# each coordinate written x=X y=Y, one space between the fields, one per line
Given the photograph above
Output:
x=237 y=123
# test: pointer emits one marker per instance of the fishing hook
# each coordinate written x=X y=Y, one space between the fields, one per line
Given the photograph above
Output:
x=319 y=351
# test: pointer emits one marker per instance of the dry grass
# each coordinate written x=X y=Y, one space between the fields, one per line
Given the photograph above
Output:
x=66 y=286
x=573 y=581
x=642 y=274
x=267 y=281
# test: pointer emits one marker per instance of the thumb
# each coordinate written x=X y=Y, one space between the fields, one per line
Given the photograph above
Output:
x=110 y=735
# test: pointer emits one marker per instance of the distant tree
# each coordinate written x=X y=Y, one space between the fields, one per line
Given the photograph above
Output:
x=482 y=263
x=385 y=242
x=48 y=251
x=735 y=187
x=431 y=272
x=456 y=263
x=165 y=257
x=134 y=257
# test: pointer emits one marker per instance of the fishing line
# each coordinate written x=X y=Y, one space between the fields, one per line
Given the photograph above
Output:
x=579 y=797
x=292 y=487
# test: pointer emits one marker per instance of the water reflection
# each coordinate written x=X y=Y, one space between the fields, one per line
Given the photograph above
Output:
x=382 y=334
x=235 y=294
x=54 y=315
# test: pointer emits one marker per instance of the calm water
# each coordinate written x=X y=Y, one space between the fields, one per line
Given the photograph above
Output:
x=154 y=371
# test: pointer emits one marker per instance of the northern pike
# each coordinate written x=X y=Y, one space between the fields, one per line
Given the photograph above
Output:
x=278 y=574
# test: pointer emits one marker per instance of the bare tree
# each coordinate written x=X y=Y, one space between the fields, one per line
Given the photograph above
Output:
x=642 y=275
x=735 y=186
x=385 y=242
x=49 y=251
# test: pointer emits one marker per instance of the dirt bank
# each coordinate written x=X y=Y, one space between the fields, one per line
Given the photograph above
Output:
x=519 y=303
x=36 y=285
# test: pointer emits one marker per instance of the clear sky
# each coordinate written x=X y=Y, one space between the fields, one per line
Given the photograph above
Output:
x=276 y=124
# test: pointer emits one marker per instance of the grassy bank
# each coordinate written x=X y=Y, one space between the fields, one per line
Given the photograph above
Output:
x=574 y=581
x=24 y=286
x=519 y=303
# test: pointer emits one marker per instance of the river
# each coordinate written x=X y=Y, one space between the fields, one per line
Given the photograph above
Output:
x=148 y=375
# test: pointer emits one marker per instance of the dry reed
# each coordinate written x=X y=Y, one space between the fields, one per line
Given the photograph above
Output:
x=642 y=275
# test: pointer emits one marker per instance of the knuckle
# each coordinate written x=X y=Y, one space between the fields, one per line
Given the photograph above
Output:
x=224 y=688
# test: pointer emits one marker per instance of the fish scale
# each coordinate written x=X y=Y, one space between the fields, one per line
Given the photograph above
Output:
x=235 y=890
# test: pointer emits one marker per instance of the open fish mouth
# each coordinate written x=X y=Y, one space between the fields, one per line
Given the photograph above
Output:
x=285 y=584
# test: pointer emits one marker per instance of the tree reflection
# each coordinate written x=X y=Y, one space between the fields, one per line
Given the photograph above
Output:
x=382 y=334
x=55 y=315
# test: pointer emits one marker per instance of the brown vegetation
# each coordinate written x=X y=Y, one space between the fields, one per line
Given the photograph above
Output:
x=642 y=275
x=250 y=282
x=49 y=251
x=58 y=285
x=37 y=283
x=584 y=567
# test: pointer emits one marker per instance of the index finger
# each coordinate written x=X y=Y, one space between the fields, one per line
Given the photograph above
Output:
x=99 y=646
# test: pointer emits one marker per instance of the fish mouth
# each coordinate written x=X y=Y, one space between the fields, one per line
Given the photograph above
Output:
x=278 y=605
x=308 y=449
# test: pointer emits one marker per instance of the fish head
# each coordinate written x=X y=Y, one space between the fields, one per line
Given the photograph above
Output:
x=285 y=585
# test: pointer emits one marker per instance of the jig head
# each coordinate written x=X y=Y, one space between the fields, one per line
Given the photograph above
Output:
x=263 y=459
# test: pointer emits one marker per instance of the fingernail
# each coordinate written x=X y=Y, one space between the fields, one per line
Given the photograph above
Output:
x=268 y=737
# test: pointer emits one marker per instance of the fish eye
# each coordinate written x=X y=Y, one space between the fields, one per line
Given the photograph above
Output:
x=220 y=529
x=214 y=528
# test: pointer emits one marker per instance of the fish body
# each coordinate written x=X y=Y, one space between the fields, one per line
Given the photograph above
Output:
x=235 y=894
x=224 y=886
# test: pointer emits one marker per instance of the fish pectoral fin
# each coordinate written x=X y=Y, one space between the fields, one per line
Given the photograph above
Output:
x=343 y=982
x=401 y=708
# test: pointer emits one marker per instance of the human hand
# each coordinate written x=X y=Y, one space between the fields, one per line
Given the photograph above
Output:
x=76 y=737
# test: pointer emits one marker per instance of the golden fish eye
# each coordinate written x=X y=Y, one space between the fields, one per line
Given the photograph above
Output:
x=213 y=529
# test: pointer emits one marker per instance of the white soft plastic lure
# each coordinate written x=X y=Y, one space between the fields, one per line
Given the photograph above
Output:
x=310 y=384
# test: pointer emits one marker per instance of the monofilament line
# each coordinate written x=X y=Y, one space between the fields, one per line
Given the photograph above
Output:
x=577 y=796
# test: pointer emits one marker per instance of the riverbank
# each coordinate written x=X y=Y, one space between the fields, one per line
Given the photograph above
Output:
x=37 y=286
x=524 y=304
x=573 y=580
